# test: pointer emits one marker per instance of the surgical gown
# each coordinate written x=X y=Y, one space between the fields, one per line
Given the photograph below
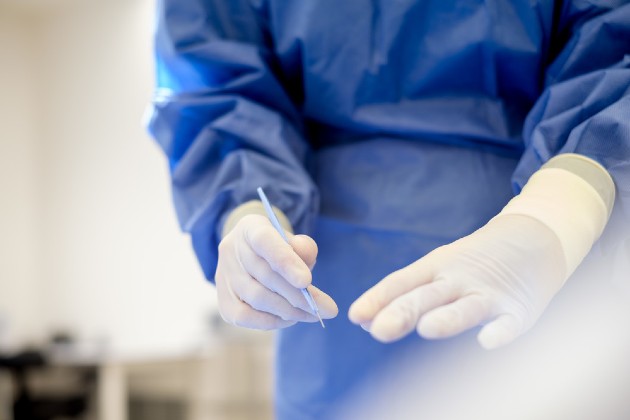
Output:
x=383 y=129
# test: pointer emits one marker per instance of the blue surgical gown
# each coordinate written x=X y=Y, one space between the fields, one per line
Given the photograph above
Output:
x=383 y=129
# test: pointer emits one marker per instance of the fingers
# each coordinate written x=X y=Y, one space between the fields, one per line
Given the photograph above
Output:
x=365 y=308
x=500 y=332
x=401 y=316
x=239 y=313
x=260 y=270
x=261 y=288
x=455 y=318
x=260 y=298
x=261 y=273
x=438 y=310
x=306 y=248
x=325 y=304
x=266 y=242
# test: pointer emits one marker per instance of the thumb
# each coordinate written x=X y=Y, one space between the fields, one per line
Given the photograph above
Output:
x=503 y=330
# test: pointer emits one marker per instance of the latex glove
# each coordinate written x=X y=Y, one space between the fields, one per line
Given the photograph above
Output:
x=504 y=274
x=259 y=277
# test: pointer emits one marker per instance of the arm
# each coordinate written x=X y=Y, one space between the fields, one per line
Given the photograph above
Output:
x=585 y=107
x=224 y=121
x=577 y=142
x=222 y=117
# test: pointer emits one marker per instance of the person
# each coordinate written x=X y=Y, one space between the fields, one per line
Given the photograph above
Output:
x=447 y=165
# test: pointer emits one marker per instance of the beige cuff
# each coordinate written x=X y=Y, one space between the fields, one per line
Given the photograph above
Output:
x=253 y=207
x=590 y=171
x=573 y=195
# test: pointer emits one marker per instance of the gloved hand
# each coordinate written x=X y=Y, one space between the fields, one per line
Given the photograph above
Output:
x=259 y=277
x=504 y=274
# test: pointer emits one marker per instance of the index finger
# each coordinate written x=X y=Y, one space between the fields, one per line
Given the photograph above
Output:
x=267 y=243
x=375 y=299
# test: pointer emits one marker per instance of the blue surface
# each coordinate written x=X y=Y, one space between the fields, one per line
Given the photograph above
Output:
x=381 y=128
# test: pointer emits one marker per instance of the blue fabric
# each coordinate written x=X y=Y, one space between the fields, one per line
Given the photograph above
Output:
x=381 y=128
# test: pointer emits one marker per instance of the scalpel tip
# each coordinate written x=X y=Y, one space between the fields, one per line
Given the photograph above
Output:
x=320 y=320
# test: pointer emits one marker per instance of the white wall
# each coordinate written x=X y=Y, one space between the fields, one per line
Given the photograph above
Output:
x=113 y=262
x=19 y=305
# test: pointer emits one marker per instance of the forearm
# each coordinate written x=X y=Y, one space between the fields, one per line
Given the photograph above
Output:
x=224 y=120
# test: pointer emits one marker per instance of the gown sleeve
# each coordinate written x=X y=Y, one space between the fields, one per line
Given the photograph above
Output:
x=223 y=119
x=585 y=107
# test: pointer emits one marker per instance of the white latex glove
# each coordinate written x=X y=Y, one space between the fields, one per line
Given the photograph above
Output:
x=507 y=271
x=259 y=277
x=504 y=274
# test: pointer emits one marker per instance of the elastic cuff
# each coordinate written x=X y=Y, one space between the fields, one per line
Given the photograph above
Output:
x=567 y=204
x=590 y=171
x=253 y=207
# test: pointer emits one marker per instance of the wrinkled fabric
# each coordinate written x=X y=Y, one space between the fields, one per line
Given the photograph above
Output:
x=383 y=129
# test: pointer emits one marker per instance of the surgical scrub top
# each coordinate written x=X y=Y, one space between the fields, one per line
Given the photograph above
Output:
x=381 y=128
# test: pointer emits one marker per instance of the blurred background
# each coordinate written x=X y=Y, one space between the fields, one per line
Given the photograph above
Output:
x=95 y=276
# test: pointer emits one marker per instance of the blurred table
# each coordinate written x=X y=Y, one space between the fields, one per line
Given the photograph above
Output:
x=228 y=379
x=40 y=391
